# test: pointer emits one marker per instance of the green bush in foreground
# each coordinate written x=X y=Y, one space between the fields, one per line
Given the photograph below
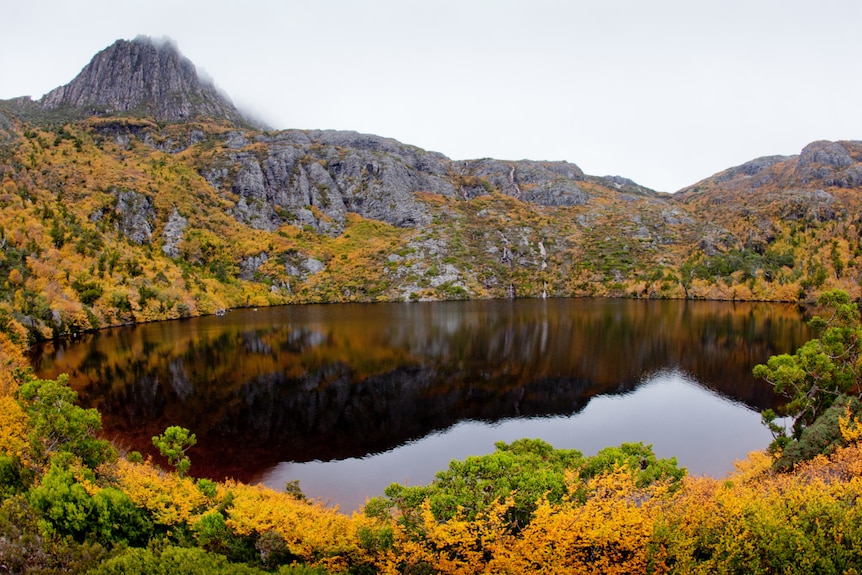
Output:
x=184 y=561
x=527 y=470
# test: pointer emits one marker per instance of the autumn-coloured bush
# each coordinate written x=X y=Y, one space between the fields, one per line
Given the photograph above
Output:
x=755 y=521
x=522 y=473
x=762 y=521
x=308 y=532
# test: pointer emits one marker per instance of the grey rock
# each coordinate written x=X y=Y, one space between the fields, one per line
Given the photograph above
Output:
x=816 y=205
x=450 y=274
x=624 y=185
x=323 y=192
x=305 y=217
x=302 y=267
x=825 y=160
x=323 y=174
x=313 y=266
x=543 y=183
x=172 y=235
x=751 y=168
x=848 y=178
x=825 y=153
x=249 y=266
x=135 y=216
x=215 y=177
x=642 y=233
x=143 y=76
x=675 y=217
x=256 y=214
x=253 y=209
x=291 y=270
x=236 y=141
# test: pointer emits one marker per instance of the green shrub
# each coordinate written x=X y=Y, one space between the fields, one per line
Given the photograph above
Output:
x=58 y=425
x=185 y=561
x=526 y=470
x=821 y=437
x=65 y=507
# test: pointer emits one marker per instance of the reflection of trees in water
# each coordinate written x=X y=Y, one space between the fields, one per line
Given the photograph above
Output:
x=323 y=382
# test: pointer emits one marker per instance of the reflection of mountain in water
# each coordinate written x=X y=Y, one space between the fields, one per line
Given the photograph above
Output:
x=331 y=382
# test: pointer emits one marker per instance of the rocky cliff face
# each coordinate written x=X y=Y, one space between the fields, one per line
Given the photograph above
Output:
x=143 y=77
x=316 y=177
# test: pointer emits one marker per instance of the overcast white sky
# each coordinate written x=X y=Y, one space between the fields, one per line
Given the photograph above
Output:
x=665 y=92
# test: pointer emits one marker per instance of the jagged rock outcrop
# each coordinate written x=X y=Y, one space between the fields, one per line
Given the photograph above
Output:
x=836 y=164
x=143 y=77
x=134 y=214
x=752 y=168
x=250 y=265
x=316 y=177
x=624 y=185
x=173 y=234
x=332 y=173
x=819 y=165
x=543 y=183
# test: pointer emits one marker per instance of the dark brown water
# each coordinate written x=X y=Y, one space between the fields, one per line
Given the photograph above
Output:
x=348 y=398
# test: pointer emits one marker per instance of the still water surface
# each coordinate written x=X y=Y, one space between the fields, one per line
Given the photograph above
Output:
x=349 y=398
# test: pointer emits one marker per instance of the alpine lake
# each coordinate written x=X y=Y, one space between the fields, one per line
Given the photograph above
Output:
x=348 y=398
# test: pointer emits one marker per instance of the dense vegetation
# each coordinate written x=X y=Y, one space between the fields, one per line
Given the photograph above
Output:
x=71 y=502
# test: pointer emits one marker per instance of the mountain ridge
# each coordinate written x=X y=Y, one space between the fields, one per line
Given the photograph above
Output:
x=142 y=76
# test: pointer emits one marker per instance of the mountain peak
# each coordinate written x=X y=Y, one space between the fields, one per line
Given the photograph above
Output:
x=143 y=76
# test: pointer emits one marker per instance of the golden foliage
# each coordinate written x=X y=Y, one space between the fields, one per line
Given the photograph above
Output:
x=757 y=520
x=609 y=533
x=171 y=499
x=13 y=427
x=850 y=426
x=319 y=535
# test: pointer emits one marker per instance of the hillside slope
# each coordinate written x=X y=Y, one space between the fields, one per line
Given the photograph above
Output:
x=137 y=192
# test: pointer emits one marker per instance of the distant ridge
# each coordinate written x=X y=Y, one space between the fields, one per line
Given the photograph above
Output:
x=143 y=77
